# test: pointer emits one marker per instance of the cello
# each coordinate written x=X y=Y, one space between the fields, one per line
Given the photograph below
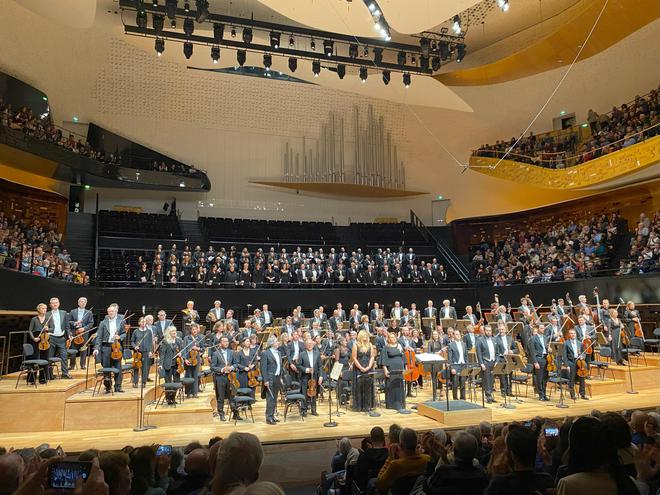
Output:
x=411 y=372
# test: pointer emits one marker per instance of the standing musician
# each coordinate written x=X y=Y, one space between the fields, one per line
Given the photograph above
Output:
x=81 y=321
x=342 y=313
x=604 y=314
x=310 y=365
x=457 y=356
x=448 y=311
x=245 y=360
x=436 y=345
x=231 y=320
x=376 y=314
x=470 y=316
x=429 y=310
x=553 y=330
x=585 y=330
x=504 y=346
x=248 y=331
x=190 y=316
x=222 y=364
x=194 y=345
x=502 y=314
x=292 y=351
x=363 y=358
x=271 y=374
x=267 y=317
x=161 y=325
x=470 y=339
x=487 y=356
x=393 y=363
x=538 y=353
x=573 y=349
x=615 y=327
x=216 y=313
x=288 y=326
x=142 y=341
x=170 y=346
x=59 y=334
x=111 y=329
x=396 y=313
x=631 y=318
x=39 y=324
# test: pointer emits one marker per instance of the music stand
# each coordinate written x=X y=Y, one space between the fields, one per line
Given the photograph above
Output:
x=502 y=369
x=558 y=348
x=335 y=374
x=514 y=363
x=465 y=372
x=430 y=363
x=461 y=325
x=448 y=322
x=374 y=373
x=475 y=371
x=428 y=323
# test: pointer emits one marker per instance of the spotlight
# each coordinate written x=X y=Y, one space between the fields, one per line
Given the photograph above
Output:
x=424 y=63
x=413 y=60
x=406 y=79
x=215 y=54
x=202 y=10
x=158 y=22
x=141 y=19
x=240 y=57
x=293 y=64
x=274 y=40
x=503 y=4
x=424 y=44
x=460 y=52
x=170 y=8
x=386 y=77
x=456 y=26
x=312 y=45
x=365 y=51
x=435 y=63
x=378 y=56
x=443 y=46
x=160 y=46
x=233 y=32
x=401 y=58
x=188 y=49
x=328 y=47
x=155 y=3
x=372 y=6
x=186 y=7
x=268 y=61
x=316 y=68
x=218 y=32
x=247 y=35
x=353 y=50
x=363 y=74
x=341 y=71
x=173 y=23
x=292 y=42
x=188 y=26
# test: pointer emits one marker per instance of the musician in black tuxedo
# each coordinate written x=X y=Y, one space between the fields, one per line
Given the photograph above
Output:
x=334 y=323
x=193 y=342
x=487 y=357
x=81 y=321
x=271 y=374
x=369 y=276
x=538 y=354
x=342 y=313
x=310 y=369
x=110 y=330
x=161 y=324
x=231 y=320
x=60 y=332
x=190 y=316
x=457 y=356
x=142 y=340
x=216 y=313
x=292 y=352
x=470 y=316
x=573 y=349
x=447 y=311
x=470 y=339
x=386 y=278
x=504 y=346
x=376 y=313
x=430 y=311
x=428 y=275
x=222 y=364
x=266 y=317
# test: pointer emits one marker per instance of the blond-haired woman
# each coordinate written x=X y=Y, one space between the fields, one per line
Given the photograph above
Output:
x=37 y=324
x=363 y=357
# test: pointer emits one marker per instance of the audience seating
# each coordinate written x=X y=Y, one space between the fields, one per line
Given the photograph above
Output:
x=129 y=224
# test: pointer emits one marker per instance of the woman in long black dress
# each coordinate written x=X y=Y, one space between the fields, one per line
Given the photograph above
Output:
x=363 y=357
x=436 y=346
x=392 y=362
x=615 y=327
x=37 y=324
x=342 y=355
x=245 y=363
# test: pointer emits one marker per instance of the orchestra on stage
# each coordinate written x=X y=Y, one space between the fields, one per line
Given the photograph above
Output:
x=354 y=357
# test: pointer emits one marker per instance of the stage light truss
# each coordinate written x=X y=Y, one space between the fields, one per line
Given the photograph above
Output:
x=204 y=35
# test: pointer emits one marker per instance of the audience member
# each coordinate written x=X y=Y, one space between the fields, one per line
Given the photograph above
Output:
x=403 y=464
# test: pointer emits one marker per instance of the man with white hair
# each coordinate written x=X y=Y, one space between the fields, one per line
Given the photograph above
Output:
x=81 y=321
x=271 y=373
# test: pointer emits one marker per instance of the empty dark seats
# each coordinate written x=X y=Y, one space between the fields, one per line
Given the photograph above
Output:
x=129 y=224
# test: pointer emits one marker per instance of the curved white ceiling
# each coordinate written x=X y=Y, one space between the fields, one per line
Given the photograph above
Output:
x=406 y=17
x=73 y=13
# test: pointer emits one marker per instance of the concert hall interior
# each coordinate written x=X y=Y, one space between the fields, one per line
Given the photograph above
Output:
x=346 y=247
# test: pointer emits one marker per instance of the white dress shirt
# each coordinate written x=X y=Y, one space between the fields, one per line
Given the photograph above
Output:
x=491 y=349
x=112 y=329
x=461 y=358
x=57 y=324
x=277 y=360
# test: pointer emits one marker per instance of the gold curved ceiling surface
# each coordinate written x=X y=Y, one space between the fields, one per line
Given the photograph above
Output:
x=620 y=19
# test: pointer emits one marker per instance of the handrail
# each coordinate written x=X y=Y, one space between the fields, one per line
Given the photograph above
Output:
x=570 y=161
x=450 y=257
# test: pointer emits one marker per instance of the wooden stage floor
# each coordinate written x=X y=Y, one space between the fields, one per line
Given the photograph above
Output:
x=63 y=413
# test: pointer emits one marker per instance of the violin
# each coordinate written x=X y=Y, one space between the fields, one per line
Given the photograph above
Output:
x=253 y=377
x=312 y=385
x=137 y=359
x=581 y=367
x=625 y=339
x=179 y=365
x=233 y=380
x=44 y=339
x=79 y=339
x=411 y=373
x=587 y=344
x=116 y=353
x=552 y=364
x=193 y=357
